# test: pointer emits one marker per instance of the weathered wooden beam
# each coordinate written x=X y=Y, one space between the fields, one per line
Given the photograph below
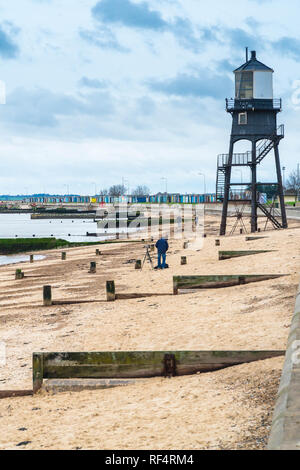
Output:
x=110 y=291
x=37 y=371
x=19 y=274
x=47 y=296
x=218 y=281
x=253 y=239
x=175 y=286
x=132 y=365
x=93 y=267
x=78 y=385
x=223 y=255
x=138 y=264
x=15 y=393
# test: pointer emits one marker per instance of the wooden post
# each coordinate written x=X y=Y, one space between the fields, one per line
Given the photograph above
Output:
x=93 y=268
x=194 y=216
x=241 y=231
x=47 y=295
x=37 y=371
x=149 y=222
x=110 y=291
x=183 y=260
x=172 y=230
x=138 y=264
x=98 y=252
x=218 y=243
x=64 y=256
x=19 y=274
x=31 y=259
x=182 y=219
x=185 y=245
x=160 y=224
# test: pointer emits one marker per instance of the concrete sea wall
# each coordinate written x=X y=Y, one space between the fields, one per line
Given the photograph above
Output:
x=285 y=431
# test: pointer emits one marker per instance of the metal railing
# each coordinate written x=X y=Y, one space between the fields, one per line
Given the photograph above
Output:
x=280 y=130
x=238 y=159
x=253 y=104
x=242 y=193
x=237 y=194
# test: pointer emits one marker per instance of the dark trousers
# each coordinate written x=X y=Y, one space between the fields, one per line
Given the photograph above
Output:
x=162 y=260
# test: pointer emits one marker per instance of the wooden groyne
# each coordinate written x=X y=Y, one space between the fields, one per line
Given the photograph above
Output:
x=218 y=281
x=137 y=364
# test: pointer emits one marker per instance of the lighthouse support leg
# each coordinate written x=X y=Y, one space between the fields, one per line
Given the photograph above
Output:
x=280 y=188
x=254 y=190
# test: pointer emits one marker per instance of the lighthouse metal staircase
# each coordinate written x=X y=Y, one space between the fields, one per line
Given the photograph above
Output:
x=271 y=213
x=245 y=160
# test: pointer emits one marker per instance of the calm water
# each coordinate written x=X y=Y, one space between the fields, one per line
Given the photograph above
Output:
x=21 y=225
x=14 y=259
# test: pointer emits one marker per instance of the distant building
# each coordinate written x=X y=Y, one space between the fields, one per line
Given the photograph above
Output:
x=159 y=198
x=291 y=195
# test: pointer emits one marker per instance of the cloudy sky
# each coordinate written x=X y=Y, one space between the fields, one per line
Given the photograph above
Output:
x=100 y=91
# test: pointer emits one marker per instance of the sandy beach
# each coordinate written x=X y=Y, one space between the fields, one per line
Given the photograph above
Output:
x=231 y=408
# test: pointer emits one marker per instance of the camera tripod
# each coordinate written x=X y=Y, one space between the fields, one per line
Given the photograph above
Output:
x=147 y=257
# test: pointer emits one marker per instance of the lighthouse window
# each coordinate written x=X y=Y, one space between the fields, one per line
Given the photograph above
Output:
x=243 y=119
x=244 y=85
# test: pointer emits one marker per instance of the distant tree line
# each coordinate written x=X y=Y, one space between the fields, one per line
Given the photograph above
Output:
x=118 y=190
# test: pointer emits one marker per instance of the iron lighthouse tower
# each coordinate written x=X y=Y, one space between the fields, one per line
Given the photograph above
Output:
x=254 y=118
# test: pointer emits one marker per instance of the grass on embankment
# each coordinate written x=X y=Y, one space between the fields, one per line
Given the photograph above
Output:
x=9 y=246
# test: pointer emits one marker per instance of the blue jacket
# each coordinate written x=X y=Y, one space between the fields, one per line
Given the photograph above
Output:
x=162 y=246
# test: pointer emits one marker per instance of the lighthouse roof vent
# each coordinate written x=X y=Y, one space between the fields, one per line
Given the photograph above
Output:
x=253 y=64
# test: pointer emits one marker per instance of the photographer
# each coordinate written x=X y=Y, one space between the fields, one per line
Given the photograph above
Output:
x=162 y=248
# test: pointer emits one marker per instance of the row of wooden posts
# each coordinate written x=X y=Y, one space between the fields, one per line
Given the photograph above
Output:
x=110 y=285
x=110 y=293
x=138 y=263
